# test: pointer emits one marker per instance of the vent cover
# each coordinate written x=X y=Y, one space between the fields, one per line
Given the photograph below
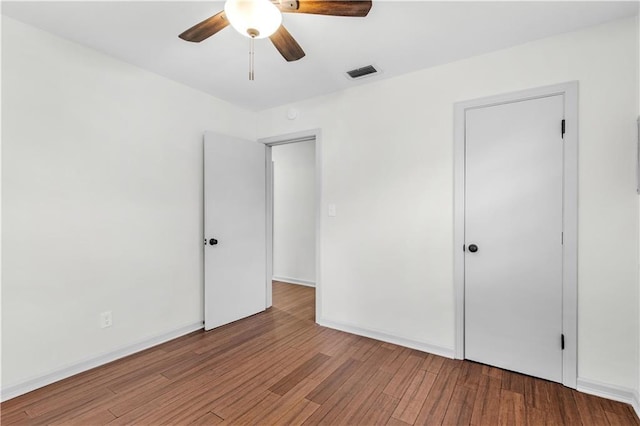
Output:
x=362 y=72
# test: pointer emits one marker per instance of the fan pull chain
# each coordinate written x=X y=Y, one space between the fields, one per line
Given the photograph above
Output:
x=251 y=51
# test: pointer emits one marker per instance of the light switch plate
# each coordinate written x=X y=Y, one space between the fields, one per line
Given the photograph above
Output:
x=332 y=210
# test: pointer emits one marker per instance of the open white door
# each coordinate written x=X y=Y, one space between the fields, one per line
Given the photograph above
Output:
x=235 y=229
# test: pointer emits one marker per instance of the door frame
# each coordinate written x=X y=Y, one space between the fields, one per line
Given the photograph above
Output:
x=270 y=142
x=570 y=216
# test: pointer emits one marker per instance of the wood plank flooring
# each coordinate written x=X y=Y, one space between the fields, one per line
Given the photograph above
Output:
x=278 y=367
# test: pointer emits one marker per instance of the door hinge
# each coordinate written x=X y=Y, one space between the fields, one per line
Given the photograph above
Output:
x=562 y=341
x=464 y=247
x=562 y=238
x=563 y=128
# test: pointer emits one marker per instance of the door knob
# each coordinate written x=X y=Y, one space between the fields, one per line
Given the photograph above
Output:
x=213 y=241
x=473 y=248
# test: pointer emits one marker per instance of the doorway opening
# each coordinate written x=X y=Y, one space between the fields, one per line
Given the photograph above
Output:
x=293 y=214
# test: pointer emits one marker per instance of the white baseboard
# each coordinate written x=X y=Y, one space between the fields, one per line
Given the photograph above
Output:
x=46 y=379
x=385 y=337
x=294 y=281
x=605 y=390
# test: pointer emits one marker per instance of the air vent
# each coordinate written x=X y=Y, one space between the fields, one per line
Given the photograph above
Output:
x=362 y=72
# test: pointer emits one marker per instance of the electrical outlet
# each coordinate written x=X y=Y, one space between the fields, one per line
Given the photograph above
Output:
x=106 y=319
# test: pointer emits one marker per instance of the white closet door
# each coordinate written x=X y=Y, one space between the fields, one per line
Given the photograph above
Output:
x=513 y=216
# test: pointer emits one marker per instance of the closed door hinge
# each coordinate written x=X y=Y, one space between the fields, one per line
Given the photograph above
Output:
x=562 y=238
x=562 y=341
x=563 y=128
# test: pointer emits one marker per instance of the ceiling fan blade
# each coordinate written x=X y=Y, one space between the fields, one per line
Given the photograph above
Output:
x=206 y=28
x=326 y=7
x=287 y=45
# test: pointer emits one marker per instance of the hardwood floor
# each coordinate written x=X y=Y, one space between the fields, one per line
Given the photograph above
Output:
x=278 y=367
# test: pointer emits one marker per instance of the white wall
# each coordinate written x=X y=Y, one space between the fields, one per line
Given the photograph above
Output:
x=102 y=198
x=294 y=226
x=387 y=262
x=637 y=405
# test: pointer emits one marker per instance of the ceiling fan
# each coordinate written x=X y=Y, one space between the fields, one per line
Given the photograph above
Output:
x=263 y=18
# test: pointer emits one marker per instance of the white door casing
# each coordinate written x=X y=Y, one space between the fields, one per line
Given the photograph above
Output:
x=515 y=197
x=302 y=136
x=234 y=215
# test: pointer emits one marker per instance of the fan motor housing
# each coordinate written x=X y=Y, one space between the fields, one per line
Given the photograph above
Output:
x=289 y=4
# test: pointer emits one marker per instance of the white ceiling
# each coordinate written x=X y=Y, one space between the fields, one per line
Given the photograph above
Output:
x=397 y=36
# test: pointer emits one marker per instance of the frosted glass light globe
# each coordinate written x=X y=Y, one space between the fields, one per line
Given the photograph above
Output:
x=253 y=18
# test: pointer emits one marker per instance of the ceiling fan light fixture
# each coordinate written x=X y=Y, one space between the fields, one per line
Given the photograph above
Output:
x=253 y=18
